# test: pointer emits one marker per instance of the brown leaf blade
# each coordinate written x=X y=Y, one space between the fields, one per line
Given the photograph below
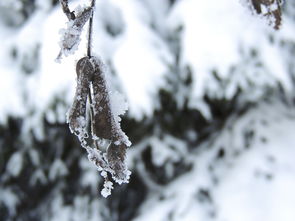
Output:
x=77 y=113
x=102 y=122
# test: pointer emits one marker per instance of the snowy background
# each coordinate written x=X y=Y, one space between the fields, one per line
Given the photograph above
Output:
x=211 y=113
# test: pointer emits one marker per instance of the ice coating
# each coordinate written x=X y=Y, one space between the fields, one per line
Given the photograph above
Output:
x=70 y=37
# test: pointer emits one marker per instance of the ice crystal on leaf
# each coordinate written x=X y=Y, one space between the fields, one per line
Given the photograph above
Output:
x=107 y=188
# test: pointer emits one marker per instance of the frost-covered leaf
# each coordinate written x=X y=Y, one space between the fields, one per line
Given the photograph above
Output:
x=102 y=122
x=106 y=130
x=116 y=159
x=77 y=114
x=95 y=156
x=70 y=38
x=106 y=120
x=106 y=125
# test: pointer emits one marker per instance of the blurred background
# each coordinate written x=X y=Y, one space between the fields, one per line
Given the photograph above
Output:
x=211 y=113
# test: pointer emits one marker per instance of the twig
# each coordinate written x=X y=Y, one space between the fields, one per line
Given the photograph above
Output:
x=66 y=10
x=90 y=30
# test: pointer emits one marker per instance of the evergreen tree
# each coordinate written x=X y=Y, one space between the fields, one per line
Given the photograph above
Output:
x=210 y=88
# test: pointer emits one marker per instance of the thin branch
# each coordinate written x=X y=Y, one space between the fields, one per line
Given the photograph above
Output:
x=66 y=10
x=90 y=30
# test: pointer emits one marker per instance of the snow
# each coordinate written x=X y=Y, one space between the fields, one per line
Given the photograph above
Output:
x=107 y=188
x=141 y=61
x=58 y=169
x=15 y=164
x=89 y=175
x=208 y=46
x=38 y=177
x=254 y=183
x=9 y=199
x=118 y=105
x=140 y=56
x=254 y=179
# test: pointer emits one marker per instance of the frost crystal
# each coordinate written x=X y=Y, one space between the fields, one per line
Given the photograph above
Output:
x=107 y=188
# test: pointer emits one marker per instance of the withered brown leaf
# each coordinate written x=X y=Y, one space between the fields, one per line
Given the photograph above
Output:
x=102 y=122
x=116 y=159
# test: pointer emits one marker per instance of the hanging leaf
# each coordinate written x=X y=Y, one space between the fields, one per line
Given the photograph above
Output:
x=106 y=125
x=107 y=134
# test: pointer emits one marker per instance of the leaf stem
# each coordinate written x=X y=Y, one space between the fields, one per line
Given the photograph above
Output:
x=90 y=30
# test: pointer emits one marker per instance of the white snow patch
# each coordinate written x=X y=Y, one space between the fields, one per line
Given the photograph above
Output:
x=15 y=164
